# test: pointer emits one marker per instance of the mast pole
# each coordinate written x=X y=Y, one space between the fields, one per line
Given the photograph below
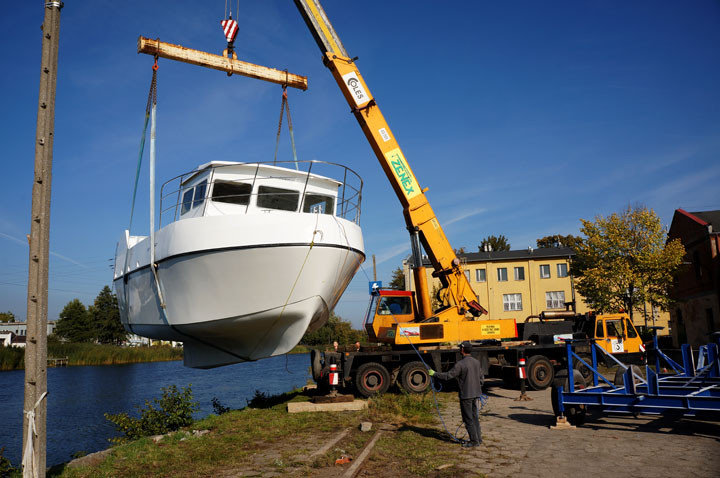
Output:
x=35 y=405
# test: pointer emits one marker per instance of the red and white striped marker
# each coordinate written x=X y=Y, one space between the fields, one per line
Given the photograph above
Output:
x=521 y=369
x=333 y=374
x=642 y=347
x=230 y=29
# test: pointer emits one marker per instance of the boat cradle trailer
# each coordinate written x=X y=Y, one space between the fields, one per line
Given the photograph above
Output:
x=688 y=390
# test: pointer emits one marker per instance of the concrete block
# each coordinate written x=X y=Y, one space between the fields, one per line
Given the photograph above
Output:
x=365 y=426
x=297 y=407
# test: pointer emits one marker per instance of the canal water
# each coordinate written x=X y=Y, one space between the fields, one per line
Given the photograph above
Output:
x=79 y=396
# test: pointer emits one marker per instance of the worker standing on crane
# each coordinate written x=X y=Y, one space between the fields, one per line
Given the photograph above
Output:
x=468 y=373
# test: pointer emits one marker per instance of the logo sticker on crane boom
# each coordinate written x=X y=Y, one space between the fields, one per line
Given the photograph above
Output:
x=355 y=87
x=402 y=172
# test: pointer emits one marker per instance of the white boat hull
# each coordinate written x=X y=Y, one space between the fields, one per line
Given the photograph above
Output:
x=233 y=292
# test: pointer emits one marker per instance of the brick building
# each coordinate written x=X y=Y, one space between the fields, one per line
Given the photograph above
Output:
x=695 y=314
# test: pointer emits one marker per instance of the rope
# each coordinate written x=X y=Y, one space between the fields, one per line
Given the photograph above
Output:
x=285 y=108
x=152 y=99
x=28 y=461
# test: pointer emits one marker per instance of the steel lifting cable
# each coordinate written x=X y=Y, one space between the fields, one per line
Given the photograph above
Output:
x=152 y=100
x=285 y=109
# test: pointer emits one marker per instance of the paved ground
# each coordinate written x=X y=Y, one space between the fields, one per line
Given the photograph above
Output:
x=518 y=441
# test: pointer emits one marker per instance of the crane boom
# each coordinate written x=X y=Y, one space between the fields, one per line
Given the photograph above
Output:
x=419 y=216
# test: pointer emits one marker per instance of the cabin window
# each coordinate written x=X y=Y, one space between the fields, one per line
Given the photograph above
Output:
x=278 y=198
x=612 y=328
x=232 y=193
x=187 y=201
x=200 y=193
x=631 y=333
x=599 y=331
x=318 y=204
x=395 y=306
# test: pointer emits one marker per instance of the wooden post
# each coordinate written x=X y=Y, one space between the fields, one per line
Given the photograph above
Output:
x=37 y=308
x=219 y=62
x=374 y=269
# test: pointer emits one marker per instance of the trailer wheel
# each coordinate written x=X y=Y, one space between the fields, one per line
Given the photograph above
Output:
x=540 y=372
x=414 y=377
x=575 y=413
x=372 y=379
x=315 y=364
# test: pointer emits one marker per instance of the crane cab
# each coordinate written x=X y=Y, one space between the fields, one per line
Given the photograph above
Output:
x=392 y=318
x=616 y=334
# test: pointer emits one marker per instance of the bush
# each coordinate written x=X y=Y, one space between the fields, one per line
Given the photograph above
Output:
x=6 y=468
x=169 y=413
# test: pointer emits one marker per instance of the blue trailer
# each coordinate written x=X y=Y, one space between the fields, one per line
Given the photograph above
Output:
x=671 y=388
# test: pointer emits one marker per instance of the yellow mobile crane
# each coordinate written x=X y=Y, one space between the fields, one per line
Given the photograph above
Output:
x=394 y=317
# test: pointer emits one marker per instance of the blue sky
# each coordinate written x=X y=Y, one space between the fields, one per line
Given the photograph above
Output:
x=521 y=117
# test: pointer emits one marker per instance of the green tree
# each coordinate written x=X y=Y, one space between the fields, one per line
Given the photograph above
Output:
x=335 y=330
x=496 y=243
x=398 y=279
x=74 y=324
x=558 y=240
x=7 y=316
x=625 y=261
x=105 y=316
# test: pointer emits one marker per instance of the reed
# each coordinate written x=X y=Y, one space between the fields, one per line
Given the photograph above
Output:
x=92 y=354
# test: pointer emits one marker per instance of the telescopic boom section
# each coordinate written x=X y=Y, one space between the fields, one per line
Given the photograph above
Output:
x=419 y=216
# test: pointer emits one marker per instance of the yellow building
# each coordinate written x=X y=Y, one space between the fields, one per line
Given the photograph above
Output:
x=521 y=283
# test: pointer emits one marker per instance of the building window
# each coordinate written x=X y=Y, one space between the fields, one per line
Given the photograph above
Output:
x=696 y=265
x=467 y=274
x=519 y=273
x=502 y=274
x=545 y=271
x=480 y=275
x=512 y=302
x=562 y=270
x=555 y=299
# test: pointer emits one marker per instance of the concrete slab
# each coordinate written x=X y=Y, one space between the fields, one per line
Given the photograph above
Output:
x=297 y=407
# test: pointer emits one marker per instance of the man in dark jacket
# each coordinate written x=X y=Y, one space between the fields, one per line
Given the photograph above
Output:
x=468 y=373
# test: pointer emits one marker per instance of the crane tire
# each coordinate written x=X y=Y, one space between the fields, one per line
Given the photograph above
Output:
x=575 y=414
x=372 y=379
x=414 y=377
x=540 y=372
x=620 y=375
x=315 y=364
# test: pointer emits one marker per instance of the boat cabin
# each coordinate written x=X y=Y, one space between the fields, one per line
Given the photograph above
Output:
x=222 y=188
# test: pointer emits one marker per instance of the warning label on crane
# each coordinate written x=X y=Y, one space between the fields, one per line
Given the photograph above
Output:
x=402 y=172
x=490 y=329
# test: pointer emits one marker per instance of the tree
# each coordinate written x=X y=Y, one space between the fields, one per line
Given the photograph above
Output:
x=74 y=324
x=335 y=330
x=7 y=316
x=499 y=243
x=558 y=240
x=398 y=279
x=624 y=261
x=105 y=316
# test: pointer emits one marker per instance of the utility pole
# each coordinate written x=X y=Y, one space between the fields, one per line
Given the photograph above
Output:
x=374 y=269
x=35 y=405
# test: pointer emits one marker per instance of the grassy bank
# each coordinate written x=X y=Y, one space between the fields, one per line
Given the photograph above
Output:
x=12 y=358
x=268 y=440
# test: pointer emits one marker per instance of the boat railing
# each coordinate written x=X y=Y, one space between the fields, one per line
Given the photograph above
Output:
x=348 y=202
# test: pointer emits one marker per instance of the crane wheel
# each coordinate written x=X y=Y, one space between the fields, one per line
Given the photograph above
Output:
x=575 y=413
x=372 y=379
x=540 y=372
x=414 y=377
x=583 y=369
x=315 y=364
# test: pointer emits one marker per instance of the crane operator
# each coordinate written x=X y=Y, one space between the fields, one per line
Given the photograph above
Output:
x=468 y=373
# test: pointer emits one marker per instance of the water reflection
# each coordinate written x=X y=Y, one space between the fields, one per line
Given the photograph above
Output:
x=79 y=396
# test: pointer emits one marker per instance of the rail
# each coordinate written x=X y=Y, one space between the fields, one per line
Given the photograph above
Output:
x=347 y=204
